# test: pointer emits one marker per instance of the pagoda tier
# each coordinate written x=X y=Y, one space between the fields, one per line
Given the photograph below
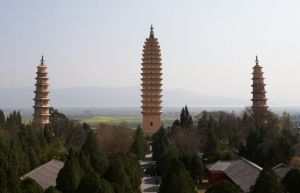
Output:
x=151 y=85
x=41 y=101
x=259 y=100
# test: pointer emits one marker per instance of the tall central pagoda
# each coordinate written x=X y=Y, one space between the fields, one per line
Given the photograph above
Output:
x=259 y=100
x=41 y=101
x=151 y=85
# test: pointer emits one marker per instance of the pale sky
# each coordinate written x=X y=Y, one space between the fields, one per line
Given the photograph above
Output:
x=208 y=46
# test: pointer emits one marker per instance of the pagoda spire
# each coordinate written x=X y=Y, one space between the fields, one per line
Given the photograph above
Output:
x=41 y=101
x=151 y=85
x=42 y=60
x=256 y=60
x=259 y=100
x=151 y=31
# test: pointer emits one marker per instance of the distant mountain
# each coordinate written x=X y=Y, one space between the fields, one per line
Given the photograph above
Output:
x=110 y=97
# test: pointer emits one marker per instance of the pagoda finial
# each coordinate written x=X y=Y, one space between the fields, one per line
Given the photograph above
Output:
x=151 y=31
x=42 y=60
x=256 y=60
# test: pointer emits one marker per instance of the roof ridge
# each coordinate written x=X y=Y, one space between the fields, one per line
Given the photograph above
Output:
x=252 y=164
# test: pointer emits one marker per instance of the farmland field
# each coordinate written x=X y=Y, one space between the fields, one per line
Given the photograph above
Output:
x=132 y=121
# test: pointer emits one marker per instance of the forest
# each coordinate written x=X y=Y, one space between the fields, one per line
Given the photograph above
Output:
x=87 y=168
x=106 y=159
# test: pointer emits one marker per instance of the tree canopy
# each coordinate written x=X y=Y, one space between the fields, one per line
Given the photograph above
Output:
x=291 y=181
x=177 y=179
x=224 y=186
x=267 y=181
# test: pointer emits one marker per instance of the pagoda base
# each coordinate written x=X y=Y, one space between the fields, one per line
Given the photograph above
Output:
x=151 y=123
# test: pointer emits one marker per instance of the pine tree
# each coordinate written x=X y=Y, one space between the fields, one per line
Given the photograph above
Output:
x=69 y=176
x=2 y=119
x=28 y=185
x=160 y=143
x=85 y=162
x=186 y=120
x=140 y=146
x=224 y=187
x=93 y=183
x=291 y=181
x=3 y=180
x=13 y=181
x=117 y=176
x=177 y=179
x=96 y=157
x=133 y=169
x=52 y=189
x=193 y=164
x=267 y=182
x=213 y=145
x=165 y=162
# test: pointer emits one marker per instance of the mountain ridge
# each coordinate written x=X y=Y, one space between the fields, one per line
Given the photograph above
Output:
x=111 y=97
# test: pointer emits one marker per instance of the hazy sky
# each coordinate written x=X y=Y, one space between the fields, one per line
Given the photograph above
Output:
x=208 y=46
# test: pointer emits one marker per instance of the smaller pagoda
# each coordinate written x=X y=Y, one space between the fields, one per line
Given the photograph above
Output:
x=41 y=101
x=259 y=100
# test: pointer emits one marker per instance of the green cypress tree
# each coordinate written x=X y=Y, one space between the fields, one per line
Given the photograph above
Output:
x=70 y=175
x=2 y=119
x=93 y=183
x=177 y=179
x=267 y=182
x=224 y=187
x=3 y=180
x=193 y=164
x=52 y=189
x=291 y=181
x=133 y=170
x=186 y=120
x=13 y=181
x=140 y=146
x=165 y=162
x=28 y=185
x=213 y=144
x=85 y=163
x=160 y=143
x=117 y=176
x=96 y=157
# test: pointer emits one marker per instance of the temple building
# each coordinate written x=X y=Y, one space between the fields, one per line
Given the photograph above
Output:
x=41 y=101
x=259 y=100
x=151 y=85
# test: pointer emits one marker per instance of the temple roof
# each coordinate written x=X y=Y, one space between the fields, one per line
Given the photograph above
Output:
x=46 y=174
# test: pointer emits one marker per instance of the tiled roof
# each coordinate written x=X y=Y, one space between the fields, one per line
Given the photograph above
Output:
x=243 y=173
x=46 y=174
x=219 y=166
x=282 y=169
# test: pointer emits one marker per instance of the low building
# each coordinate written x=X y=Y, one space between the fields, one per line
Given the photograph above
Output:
x=241 y=172
x=282 y=169
x=46 y=174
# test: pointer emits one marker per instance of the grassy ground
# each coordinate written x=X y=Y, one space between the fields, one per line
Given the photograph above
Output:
x=132 y=121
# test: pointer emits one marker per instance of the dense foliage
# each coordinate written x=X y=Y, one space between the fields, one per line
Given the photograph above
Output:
x=291 y=181
x=179 y=169
x=177 y=179
x=140 y=145
x=267 y=181
x=224 y=187
x=28 y=185
x=91 y=171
